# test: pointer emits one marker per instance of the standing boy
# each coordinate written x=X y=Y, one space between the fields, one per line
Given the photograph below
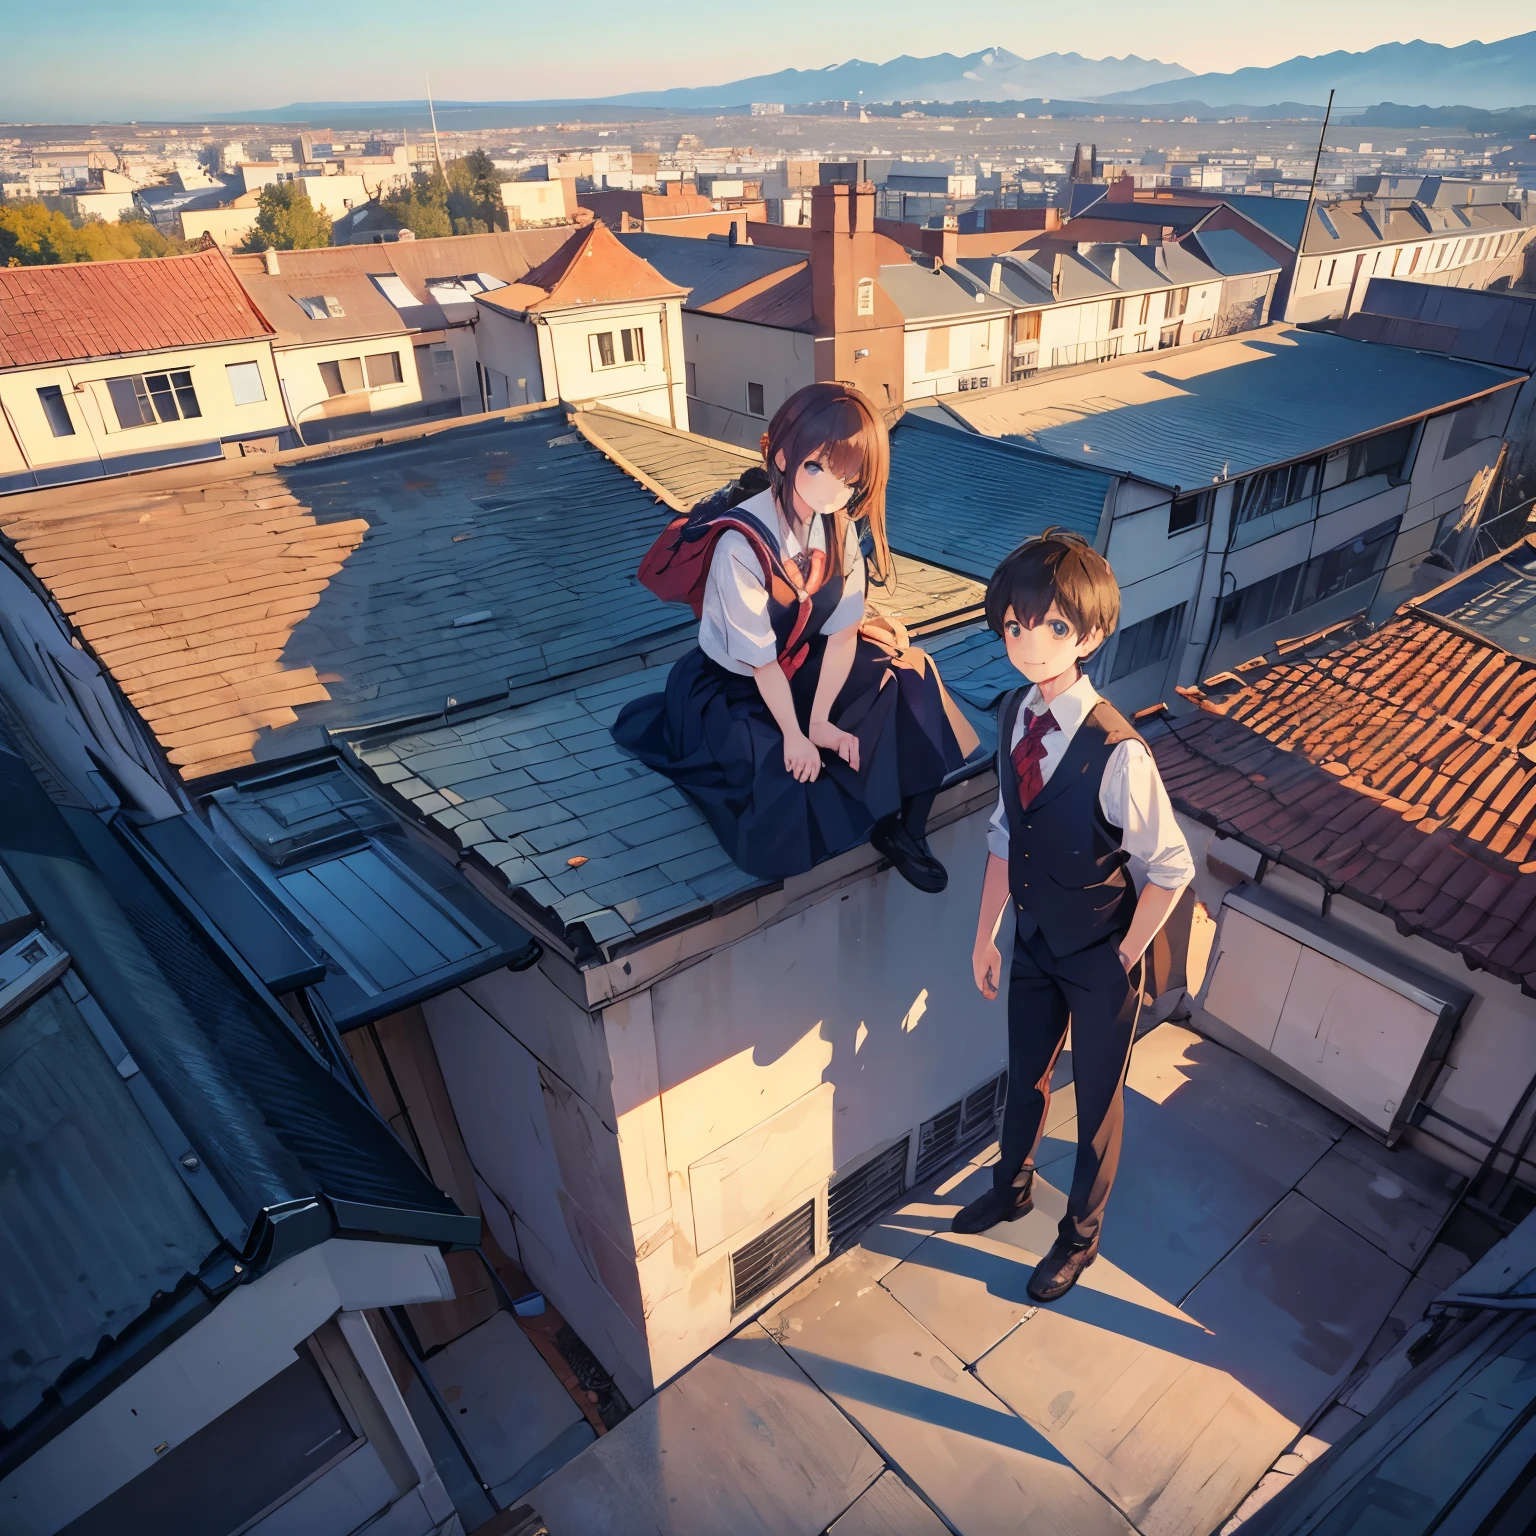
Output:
x=1082 y=821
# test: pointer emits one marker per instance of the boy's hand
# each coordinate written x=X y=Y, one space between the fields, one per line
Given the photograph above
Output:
x=802 y=759
x=844 y=743
x=987 y=968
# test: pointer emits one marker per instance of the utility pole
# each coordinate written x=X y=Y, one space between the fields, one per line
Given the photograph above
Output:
x=1306 y=218
x=437 y=148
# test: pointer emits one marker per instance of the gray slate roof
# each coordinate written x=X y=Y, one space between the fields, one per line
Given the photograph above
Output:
x=1226 y=407
x=964 y=501
x=951 y=293
x=1230 y=254
x=1497 y=328
x=710 y=267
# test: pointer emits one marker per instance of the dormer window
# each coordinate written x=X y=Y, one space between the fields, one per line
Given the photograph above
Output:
x=321 y=306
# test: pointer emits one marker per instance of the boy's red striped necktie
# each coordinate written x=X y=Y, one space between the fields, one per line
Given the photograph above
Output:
x=1030 y=754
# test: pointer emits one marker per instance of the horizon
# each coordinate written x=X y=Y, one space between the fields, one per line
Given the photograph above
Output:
x=79 y=52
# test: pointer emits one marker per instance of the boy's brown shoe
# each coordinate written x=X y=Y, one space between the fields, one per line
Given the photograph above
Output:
x=1057 y=1272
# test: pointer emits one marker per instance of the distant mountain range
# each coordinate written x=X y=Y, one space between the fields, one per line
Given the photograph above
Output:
x=1492 y=75
x=994 y=74
x=1489 y=76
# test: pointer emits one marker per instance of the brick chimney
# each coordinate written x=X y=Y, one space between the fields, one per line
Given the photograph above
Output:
x=858 y=328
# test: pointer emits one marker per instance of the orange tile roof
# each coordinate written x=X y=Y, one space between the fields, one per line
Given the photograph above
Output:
x=1398 y=769
x=89 y=309
x=592 y=267
x=190 y=598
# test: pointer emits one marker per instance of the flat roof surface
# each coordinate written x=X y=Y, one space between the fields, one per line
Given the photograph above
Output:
x=1222 y=408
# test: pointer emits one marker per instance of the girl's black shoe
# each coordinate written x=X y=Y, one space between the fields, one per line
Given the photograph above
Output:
x=911 y=858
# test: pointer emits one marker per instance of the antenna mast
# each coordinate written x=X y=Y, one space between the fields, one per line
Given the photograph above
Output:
x=1306 y=218
x=437 y=148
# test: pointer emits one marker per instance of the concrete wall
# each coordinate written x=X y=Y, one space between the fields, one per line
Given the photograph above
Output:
x=299 y=369
x=634 y=1124
x=539 y=202
x=98 y=433
x=723 y=356
x=242 y=1344
x=973 y=350
x=1493 y=1055
x=1332 y=286
x=228 y=226
x=653 y=388
x=509 y=350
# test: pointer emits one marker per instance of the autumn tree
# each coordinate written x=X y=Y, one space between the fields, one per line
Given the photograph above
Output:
x=32 y=235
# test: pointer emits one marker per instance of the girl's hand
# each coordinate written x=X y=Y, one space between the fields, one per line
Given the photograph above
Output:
x=844 y=743
x=802 y=759
x=987 y=967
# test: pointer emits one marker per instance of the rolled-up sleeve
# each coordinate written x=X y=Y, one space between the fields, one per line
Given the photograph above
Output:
x=734 y=626
x=850 y=607
x=997 y=830
x=1132 y=796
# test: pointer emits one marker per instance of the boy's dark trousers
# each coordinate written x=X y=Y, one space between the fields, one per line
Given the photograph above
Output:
x=1089 y=989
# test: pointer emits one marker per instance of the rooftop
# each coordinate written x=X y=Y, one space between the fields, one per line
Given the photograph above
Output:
x=591 y=267
x=1398 y=768
x=923 y=290
x=92 y=309
x=1497 y=328
x=711 y=268
x=1227 y=406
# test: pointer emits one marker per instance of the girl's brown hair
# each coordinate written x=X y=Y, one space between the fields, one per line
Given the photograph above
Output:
x=838 y=427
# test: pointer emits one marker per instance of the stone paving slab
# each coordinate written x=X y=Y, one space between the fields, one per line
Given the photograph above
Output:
x=741 y=1442
x=1295 y=1305
x=889 y=1508
x=981 y=1466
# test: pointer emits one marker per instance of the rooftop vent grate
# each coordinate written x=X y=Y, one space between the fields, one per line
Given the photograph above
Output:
x=868 y=1189
x=766 y=1260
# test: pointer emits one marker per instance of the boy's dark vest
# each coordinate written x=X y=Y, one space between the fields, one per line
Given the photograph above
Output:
x=1066 y=864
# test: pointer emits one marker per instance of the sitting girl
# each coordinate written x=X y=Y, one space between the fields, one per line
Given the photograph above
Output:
x=800 y=726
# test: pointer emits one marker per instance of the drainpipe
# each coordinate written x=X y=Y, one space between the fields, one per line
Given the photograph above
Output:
x=666 y=363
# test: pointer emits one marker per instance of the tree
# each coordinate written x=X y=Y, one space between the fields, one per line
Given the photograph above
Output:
x=474 y=193
x=286 y=220
x=423 y=207
x=33 y=235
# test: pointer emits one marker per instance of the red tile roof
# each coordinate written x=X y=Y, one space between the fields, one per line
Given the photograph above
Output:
x=114 y=308
x=592 y=267
x=1399 y=769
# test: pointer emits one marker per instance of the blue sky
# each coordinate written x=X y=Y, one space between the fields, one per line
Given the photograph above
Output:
x=83 y=59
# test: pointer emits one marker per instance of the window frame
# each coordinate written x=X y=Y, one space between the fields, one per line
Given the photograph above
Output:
x=159 y=399
x=603 y=352
x=1191 y=510
x=760 y=408
x=56 y=410
x=1147 y=642
x=247 y=370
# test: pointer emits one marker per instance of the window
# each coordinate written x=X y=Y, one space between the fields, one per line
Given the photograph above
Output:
x=1116 y=314
x=632 y=343
x=1145 y=312
x=1277 y=488
x=1384 y=454
x=865 y=300
x=383 y=370
x=755 y=400
x=245 y=383
x=56 y=410
x=1168 y=336
x=141 y=400
x=1333 y=266
x=321 y=306
x=606 y=352
x=937 y=354
x=393 y=288
x=1472 y=423
x=1143 y=644
x=1192 y=511
x=1300 y=586
x=603 y=355
x=1026 y=327
x=1175 y=303
x=691 y=373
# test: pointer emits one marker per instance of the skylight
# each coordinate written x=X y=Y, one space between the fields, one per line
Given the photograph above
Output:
x=393 y=288
x=321 y=306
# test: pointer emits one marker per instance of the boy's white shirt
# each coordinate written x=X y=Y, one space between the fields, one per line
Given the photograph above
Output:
x=1131 y=793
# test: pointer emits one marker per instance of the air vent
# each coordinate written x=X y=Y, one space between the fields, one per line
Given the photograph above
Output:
x=766 y=1260
x=859 y=1195
x=961 y=1126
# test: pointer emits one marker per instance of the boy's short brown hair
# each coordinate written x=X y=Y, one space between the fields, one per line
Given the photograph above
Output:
x=1055 y=567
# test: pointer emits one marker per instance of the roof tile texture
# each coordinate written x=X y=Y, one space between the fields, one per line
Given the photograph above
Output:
x=115 y=308
x=1399 y=769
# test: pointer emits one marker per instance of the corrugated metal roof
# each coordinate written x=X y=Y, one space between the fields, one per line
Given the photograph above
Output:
x=1226 y=407
x=1497 y=328
x=964 y=501
x=711 y=268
